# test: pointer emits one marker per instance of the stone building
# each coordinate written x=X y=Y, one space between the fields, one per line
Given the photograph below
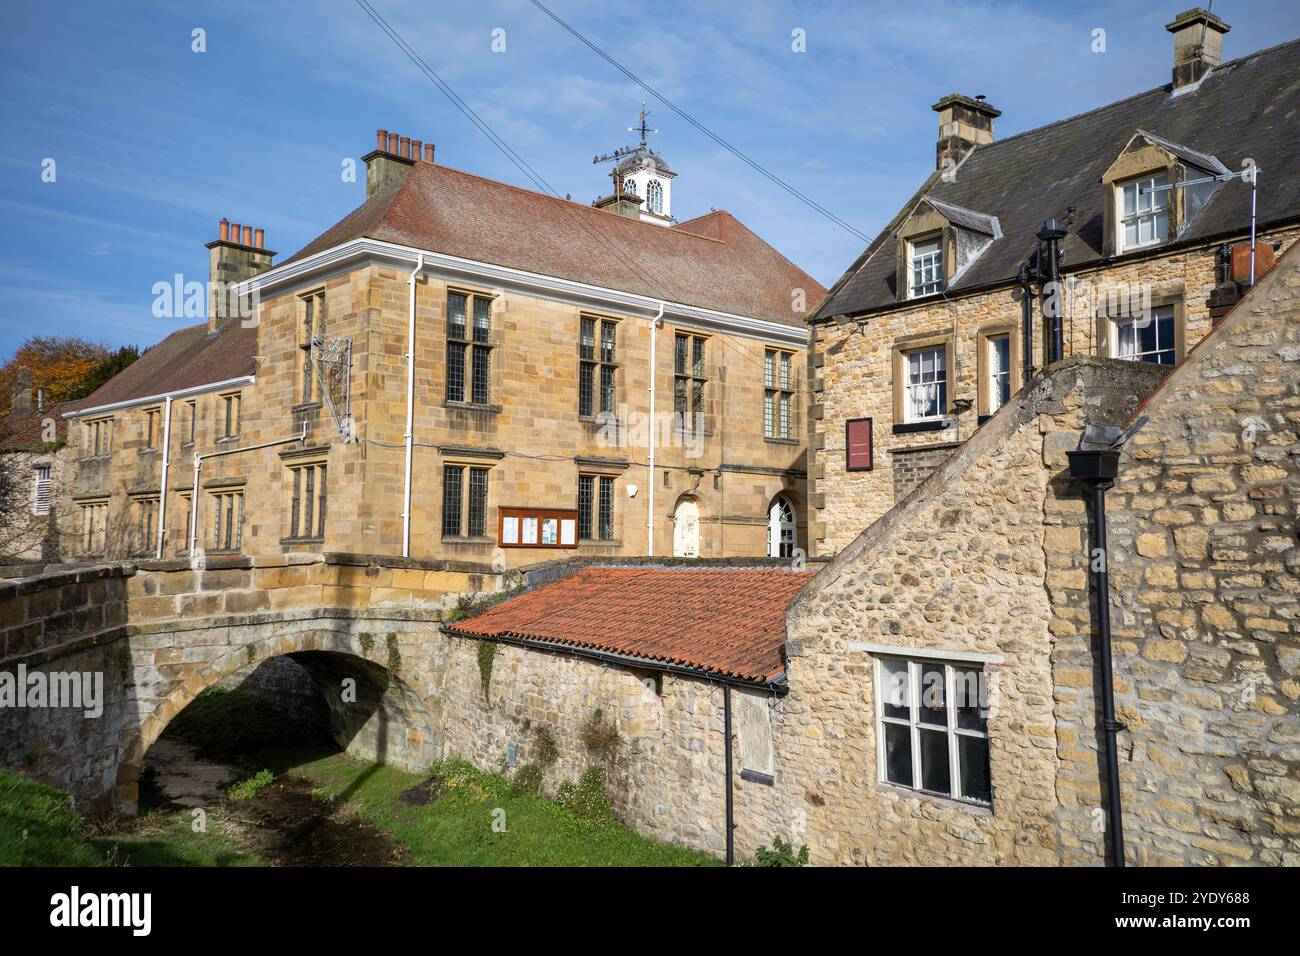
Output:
x=944 y=668
x=1115 y=233
x=36 y=462
x=461 y=370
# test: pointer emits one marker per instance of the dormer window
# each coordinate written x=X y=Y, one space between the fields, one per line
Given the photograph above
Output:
x=1144 y=212
x=925 y=260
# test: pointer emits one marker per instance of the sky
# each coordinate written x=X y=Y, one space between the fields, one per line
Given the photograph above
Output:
x=153 y=142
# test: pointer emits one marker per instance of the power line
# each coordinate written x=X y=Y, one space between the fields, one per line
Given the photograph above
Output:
x=704 y=129
x=523 y=165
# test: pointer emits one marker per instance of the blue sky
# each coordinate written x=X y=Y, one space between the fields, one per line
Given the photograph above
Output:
x=154 y=143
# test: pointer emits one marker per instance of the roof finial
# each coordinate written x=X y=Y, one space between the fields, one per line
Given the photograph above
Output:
x=642 y=128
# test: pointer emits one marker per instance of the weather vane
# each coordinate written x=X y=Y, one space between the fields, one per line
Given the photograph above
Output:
x=642 y=128
x=622 y=151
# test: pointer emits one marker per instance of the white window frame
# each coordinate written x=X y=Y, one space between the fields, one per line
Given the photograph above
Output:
x=915 y=665
x=909 y=414
x=1155 y=211
x=928 y=263
x=995 y=393
x=1159 y=314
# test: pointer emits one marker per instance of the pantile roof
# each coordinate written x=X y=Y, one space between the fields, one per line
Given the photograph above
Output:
x=728 y=622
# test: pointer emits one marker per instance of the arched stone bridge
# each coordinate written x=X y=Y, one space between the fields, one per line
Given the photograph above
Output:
x=153 y=636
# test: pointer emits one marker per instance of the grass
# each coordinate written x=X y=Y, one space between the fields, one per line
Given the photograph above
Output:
x=38 y=827
x=456 y=827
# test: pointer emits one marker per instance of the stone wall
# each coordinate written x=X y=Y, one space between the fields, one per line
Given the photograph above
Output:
x=1206 y=599
x=959 y=568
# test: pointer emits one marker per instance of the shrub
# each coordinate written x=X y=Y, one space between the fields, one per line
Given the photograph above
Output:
x=527 y=780
x=780 y=854
x=548 y=751
x=586 y=799
x=599 y=735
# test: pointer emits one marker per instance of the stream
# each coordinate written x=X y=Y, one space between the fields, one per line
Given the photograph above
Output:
x=284 y=823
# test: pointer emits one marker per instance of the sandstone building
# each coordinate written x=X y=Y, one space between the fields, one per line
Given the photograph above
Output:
x=461 y=370
x=1057 y=242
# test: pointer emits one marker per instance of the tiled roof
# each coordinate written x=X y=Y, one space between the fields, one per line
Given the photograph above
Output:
x=187 y=358
x=21 y=431
x=712 y=262
x=723 y=621
x=1244 y=108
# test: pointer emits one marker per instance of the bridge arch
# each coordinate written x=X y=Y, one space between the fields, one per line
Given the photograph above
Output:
x=377 y=716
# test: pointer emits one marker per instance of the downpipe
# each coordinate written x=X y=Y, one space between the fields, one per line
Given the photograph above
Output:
x=726 y=751
x=654 y=429
x=408 y=437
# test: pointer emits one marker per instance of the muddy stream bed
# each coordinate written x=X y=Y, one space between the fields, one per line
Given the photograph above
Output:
x=284 y=823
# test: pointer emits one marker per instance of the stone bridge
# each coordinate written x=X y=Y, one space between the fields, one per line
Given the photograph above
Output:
x=155 y=634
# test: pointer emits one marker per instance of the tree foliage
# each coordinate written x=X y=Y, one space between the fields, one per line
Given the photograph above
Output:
x=66 y=367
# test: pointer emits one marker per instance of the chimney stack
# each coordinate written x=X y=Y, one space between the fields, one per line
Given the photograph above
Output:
x=392 y=156
x=21 y=399
x=964 y=123
x=238 y=253
x=1198 y=45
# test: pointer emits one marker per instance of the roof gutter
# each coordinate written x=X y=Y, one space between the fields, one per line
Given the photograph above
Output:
x=585 y=293
x=161 y=396
x=776 y=683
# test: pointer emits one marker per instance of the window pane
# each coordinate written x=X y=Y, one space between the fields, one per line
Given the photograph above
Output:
x=586 y=388
x=607 y=341
x=898 y=755
x=482 y=319
x=482 y=378
x=968 y=698
x=451 y=497
x=1130 y=199
x=697 y=358
x=587 y=339
x=455 y=372
x=607 y=388
x=606 y=509
x=973 y=758
x=931 y=705
x=456 y=316
x=478 y=485
x=679 y=356
x=935 y=773
x=769 y=363
x=585 y=495
x=895 y=691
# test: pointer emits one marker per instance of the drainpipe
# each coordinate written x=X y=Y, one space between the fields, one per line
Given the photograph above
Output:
x=1027 y=322
x=1095 y=464
x=166 y=464
x=654 y=430
x=726 y=749
x=198 y=465
x=409 y=437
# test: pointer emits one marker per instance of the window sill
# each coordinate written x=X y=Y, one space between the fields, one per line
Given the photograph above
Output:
x=938 y=799
x=227 y=438
x=467 y=539
x=930 y=425
x=756 y=776
x=471 y=406
x=289 y=541
x=781 y=441
x=599 y=543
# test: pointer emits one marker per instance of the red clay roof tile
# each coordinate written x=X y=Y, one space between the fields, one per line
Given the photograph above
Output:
x=725 y=621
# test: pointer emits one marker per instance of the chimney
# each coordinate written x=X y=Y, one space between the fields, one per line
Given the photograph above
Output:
x=392 y=156
x=237 y=254
x=1198 y=44
x=964 y=123
x=21 y=400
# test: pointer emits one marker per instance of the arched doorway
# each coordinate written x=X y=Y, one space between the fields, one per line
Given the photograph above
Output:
x=781 y=528
x=686 y=529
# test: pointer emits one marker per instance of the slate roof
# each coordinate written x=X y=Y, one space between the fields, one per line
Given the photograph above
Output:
x=1249 y=107
x=187 y=358
x=712 y=262
x=727 y=622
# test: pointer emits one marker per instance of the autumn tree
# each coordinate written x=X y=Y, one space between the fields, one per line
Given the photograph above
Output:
x=65 y=367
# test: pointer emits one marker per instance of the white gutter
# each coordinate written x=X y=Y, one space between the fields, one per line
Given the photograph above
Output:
x=529 y=282
x=166 y=463
x=149 y=399
x=410 y=408
x=654 y=429
x=198 y=463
